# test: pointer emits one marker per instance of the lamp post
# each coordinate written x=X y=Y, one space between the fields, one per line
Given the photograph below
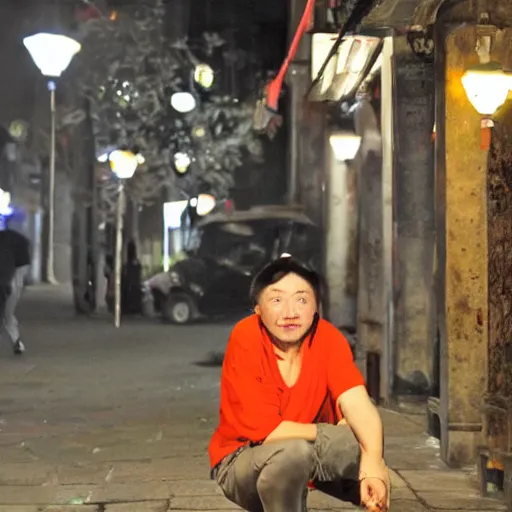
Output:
x=123 y=164
x=52 y=54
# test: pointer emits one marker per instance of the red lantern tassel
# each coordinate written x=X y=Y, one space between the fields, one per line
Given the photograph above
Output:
x=485 y=138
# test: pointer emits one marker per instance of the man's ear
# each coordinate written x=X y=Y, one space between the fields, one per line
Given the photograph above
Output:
x=257 y=309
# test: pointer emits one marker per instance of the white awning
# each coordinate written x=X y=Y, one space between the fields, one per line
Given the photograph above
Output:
x=345 y=72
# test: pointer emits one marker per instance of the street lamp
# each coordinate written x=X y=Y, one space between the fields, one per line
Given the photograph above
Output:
x=52 y=54
x=123 y=164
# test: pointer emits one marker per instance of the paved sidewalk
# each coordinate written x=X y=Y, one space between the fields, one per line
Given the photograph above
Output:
x=98 y=420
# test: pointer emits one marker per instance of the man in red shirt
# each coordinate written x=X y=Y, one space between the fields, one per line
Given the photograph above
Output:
x=294 y=408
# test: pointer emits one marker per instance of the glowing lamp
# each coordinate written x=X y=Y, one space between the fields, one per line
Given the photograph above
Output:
x=123 y=163
x=204 y=75
x=205 y=204
x=345 y=145
x=5 y=203
x=183 y=102
x=51 y=53
x=486 y=87
x=182 y=162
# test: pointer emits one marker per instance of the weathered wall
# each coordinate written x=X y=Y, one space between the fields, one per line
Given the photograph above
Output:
x=414 y=221
x=499 y=196
x=370 y=303
x=461 y=178
x=340 y=234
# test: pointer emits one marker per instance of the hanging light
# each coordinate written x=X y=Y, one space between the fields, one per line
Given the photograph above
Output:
x=51 y=53
x=183 y=102
x=205 y=204
x=18 y=130
x=345 y=145
x=199 y=131
x=123 y=163
x=182 y=162
x=486 y=87
x=204 y=76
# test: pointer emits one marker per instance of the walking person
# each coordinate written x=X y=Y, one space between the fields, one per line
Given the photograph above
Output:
x=15 y=250
x=7 y=271
x=294 y=410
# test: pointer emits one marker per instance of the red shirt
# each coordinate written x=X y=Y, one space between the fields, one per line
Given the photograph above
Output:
x=254 y=399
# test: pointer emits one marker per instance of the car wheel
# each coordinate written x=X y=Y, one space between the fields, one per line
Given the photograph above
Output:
x=179 y=310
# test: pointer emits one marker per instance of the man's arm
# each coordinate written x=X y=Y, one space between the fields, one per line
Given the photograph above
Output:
x=359 y=412
x=364 y=420
x=292 y=430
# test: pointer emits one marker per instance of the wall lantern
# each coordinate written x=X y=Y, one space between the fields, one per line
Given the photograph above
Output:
x=486 y=85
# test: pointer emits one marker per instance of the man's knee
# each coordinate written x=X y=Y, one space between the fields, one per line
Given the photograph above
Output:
x=289 y=465
x=338 y=451
x=291 y=453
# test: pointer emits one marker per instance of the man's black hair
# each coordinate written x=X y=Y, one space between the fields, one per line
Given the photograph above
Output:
x=277 y=269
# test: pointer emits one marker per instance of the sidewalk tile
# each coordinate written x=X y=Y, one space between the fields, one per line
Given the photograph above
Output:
x=157 y=506
x=35 y=473
x=49 y=508
x=434 y=480
x=204 y=487
x=69 y=508
x=467 y=501
x=202 y=503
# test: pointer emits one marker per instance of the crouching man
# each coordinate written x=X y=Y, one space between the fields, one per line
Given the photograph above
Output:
x=294 y=409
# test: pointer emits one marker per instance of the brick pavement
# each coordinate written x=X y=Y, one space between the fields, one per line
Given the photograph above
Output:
x=98 y=420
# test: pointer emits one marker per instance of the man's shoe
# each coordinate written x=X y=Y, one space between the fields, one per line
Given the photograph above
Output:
x=19 y=348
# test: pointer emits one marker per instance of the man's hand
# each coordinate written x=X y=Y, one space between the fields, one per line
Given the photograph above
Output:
x=363 y=418
x=374 y=478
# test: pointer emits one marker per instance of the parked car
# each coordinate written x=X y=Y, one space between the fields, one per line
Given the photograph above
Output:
x=224 y=254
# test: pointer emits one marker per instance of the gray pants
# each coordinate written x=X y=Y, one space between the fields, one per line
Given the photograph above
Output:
x=273 y=477
x=10 y=322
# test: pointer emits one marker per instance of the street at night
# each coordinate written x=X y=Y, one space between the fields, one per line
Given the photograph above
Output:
x=259 y=251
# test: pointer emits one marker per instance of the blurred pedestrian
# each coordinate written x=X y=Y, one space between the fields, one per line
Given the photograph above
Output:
x=14 y=264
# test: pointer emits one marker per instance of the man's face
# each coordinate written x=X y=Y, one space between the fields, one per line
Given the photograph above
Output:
x=287 y=308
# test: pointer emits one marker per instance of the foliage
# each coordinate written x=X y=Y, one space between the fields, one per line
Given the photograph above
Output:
x=129 y=70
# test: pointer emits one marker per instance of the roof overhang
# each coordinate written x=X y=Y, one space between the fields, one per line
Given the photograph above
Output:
x=357 y=56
